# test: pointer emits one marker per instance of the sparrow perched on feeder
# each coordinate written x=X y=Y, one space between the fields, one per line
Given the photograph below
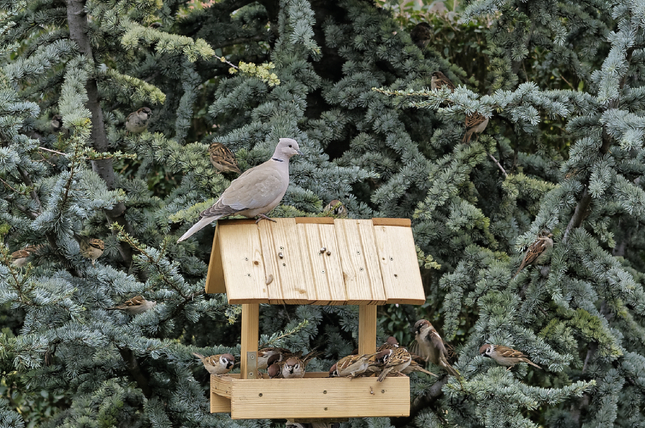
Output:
x=293 y=367
x=431 y=346
x=136 y=305
x=475 y=124
x=137 y=121
x=535 y=253
x=217 y=364
x=351 y=366
x=222 y=158
x=336 y=209
x=19 y=258
x=390 y=343
x=505 y=356
x=376 y=362
x=90 y=248
x=416 y=367
x=397 y=360
x=265 y=354
x=254 y=193
x=289 y=365
x=439 y=81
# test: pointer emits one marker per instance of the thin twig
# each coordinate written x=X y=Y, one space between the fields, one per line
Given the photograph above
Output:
x=499 y=165
x=53 y=151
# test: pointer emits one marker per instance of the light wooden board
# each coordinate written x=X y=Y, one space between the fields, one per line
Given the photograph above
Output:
x=242 y=262
x=320 y=398
x=220 y=404
x=215 y=277
x=321 y=272
x=399 y=265
x=281 y=238
x=366 y=329
x=401 y=222
x=315 y=220
x=270 y=258
x=359 y=261
x=250 y=336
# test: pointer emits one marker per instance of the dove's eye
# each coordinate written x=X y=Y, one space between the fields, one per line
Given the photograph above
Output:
x=290 y=145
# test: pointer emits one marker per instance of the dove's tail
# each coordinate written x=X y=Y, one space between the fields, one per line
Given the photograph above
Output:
x=203 y=222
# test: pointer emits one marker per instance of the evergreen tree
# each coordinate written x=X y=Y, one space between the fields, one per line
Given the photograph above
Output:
x=563 y=152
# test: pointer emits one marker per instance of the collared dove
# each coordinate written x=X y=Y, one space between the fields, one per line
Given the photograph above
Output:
x=254 y=193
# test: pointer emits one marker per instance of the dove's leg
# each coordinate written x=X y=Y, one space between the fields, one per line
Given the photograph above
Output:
x=262 y=216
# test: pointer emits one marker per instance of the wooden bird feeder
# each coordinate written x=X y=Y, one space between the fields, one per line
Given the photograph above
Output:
x=312 y=261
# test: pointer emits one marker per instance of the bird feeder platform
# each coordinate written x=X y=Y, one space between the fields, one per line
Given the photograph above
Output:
x=319 y=261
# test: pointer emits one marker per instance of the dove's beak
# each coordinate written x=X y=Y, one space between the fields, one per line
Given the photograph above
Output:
x=300 y=153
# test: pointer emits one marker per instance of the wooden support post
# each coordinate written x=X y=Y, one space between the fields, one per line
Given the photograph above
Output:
x=250 y=337
x=366 y=329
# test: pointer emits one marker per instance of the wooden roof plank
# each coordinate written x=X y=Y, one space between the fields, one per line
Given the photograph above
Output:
x=331 y=259
x=318 y=293
x=270 y=258
x=280 y=239
x=242 y=263
x=361 y=269
x=399 y=265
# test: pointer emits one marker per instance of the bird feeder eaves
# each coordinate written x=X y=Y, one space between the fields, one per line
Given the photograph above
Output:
x=316 y=260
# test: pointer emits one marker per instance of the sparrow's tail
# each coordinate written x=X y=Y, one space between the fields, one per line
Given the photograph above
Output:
x=532 y=363
x=203 y=222
x=421 y=369
x=451 y=370
x=384 y=374
x=200 y=356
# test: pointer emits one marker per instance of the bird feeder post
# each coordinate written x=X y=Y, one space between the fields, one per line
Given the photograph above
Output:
x=366 y=329
x=249 y=341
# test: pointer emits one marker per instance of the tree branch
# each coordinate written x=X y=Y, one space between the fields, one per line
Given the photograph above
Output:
x=78 y=30
x=135 y=371
x=240 y=40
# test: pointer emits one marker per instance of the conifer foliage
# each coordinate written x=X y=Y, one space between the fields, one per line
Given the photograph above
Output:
x=562 y=155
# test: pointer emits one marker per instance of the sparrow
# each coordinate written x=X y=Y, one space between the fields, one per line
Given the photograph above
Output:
x=137 y=121
x=534 y=255
x=222 y=158
x=431 y=346
x=336 y=209
x=396 y=361
x=421 y=34
x=290 y=366
x=505 y=356
x=274 y=371
x=265 y=354
x=390 y=343
x=416 y=367
x=351 y=366
x=293 y=367
x=217 y=364
x=376 y=362
x=439 y=80
x=136 y=305
x=90 y=248
x=56 y=123
x=19 y=258
x=475 y=124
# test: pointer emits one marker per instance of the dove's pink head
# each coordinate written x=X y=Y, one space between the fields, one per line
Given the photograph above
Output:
x=285 y=149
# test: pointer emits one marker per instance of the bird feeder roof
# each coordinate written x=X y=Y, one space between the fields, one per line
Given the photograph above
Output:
x=316 y=260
